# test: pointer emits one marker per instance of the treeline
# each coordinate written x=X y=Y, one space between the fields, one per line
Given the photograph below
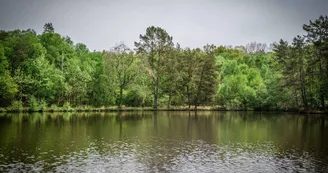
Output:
x=38 y=71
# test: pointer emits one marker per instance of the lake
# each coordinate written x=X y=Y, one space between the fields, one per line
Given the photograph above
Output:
x=163 y=142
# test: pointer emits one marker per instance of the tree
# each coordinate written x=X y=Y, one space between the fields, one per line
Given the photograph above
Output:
x=299 y=64
x=8 y=87
x=78 y=79
x=153 y=45
x=255 y=47
x=243 y=79
x=188 y=62
x=21 y=47
x=45 y=79
x=171 y=76
x=286 y=61
x=48 y=28
x=317 y=34
x=282 y=51
x=58 y=49
x=206 y=76
x=124 y=64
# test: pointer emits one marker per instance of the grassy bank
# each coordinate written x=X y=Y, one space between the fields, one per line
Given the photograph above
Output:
x=115 y=108
x=108 y=109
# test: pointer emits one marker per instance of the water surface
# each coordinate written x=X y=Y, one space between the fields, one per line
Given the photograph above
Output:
x=163 y=142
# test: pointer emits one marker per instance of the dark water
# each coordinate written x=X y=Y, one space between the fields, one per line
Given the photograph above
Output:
x=163 y=142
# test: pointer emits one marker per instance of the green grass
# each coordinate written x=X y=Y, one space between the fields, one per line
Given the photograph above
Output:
x=87 y=108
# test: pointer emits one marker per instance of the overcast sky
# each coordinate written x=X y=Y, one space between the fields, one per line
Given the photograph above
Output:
x=192 y=23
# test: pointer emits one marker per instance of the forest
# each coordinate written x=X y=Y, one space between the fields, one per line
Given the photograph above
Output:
x=46 y=71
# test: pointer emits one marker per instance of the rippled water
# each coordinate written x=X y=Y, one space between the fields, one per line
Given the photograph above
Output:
x=163 y=142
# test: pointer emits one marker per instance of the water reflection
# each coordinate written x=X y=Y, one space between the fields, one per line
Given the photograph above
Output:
x=164 y=142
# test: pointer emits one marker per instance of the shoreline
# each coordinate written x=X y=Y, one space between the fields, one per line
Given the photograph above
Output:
x=129 y=109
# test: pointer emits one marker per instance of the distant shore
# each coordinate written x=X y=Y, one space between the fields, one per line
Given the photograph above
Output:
x=114 y=109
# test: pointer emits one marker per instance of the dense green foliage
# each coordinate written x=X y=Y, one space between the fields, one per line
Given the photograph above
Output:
x=49 y=70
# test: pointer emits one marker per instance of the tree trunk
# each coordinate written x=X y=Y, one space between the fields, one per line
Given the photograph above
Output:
x=155 y=95
x=322 y=99
x=199 y=85
x=296 y=97
x=303 y=91
x=188 y=94
x=157 y=82
x=196 y=103
x=120 y=100
x=304 y=99
x=169 y=101
x=311 y=92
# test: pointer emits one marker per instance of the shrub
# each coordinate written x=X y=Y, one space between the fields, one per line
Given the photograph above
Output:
x=33 y=104
x=43 y=105
x=67 y=106
x=16 y=106
x=2 y=109
x=54 y=107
